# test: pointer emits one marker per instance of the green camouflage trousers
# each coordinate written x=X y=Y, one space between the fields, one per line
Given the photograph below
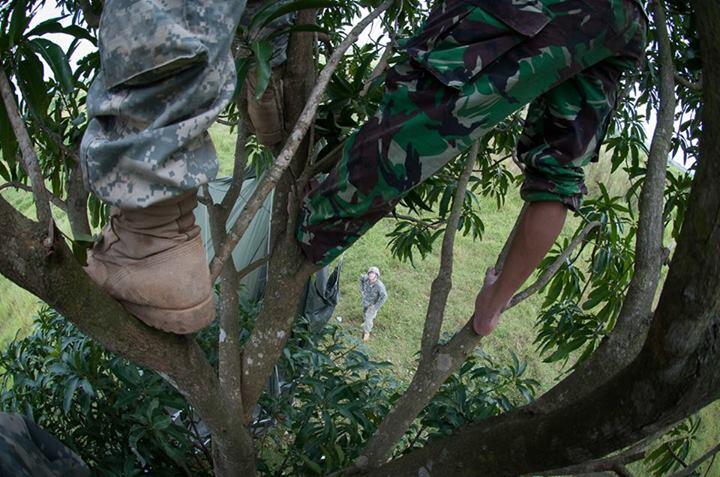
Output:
x=471 y=65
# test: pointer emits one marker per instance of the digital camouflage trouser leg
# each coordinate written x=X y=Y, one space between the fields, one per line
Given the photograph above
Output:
x=473 y=64
x=166 y=74
x=369 y=314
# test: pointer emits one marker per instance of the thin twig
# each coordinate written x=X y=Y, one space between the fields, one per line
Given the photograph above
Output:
x=29 y=157
x=329 y=159
x=441 y=286
x=286 y=154
x=381 y=66
x=554 y=267
x=251 y=267
x=693 y=85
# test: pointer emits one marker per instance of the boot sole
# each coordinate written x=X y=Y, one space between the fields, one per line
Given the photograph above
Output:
x=172 y=320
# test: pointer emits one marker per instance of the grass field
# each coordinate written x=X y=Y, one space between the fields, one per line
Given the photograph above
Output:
x=398 y=327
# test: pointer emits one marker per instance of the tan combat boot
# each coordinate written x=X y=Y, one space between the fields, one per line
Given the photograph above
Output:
x=153 y=262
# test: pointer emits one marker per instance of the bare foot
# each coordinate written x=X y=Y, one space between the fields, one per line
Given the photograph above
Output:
x=484 y=320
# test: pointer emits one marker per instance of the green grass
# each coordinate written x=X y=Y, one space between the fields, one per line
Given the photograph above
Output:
x=398 y=327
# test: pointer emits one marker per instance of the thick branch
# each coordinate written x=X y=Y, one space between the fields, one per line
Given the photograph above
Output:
x=57 y=279
x=441 y=286
x=29 y=157
x=283 y=159
x=288 y=270
x=674 y=375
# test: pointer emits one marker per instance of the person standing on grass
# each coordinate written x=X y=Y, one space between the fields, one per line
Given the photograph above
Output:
x=373 y=295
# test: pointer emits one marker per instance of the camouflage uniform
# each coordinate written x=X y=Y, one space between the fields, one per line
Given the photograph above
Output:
x=166 y=74
x=472 y=64
x=265 y=113
x=26 y=450
x=372 y=297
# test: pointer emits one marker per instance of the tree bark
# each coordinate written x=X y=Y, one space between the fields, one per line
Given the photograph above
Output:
x=288 y=270
x=436 y=369
x=77 y=197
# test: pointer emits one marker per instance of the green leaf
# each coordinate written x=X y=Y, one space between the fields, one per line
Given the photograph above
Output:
x=55 y=57
x=70 y=388
x=4 y=173
x=54 y=26
x=263 y=51
x=263 y=17
x=312 y=465
x=18 y=23
x=30 y=74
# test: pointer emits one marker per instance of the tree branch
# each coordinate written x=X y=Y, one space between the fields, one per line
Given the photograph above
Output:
x=550 y=272
x=29 y=157
x=688 y=471
x=91 y=18
x=77 y=200
x=284 y=157
x=441 y=286
x=58 y=280
x=56 y=201
x=381 y=66
x=693 y=85
x=673 y=376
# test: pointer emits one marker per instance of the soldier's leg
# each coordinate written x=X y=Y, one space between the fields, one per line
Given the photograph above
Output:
x=166 y=74
x=563 y=133
x=423 y=123
x=368 y=319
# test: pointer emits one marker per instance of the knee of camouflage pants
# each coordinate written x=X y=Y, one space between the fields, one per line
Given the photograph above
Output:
x=166 y=73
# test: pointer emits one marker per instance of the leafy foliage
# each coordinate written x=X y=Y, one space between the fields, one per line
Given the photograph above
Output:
x=120 y=418
x=673 y=452
x=483 y=387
